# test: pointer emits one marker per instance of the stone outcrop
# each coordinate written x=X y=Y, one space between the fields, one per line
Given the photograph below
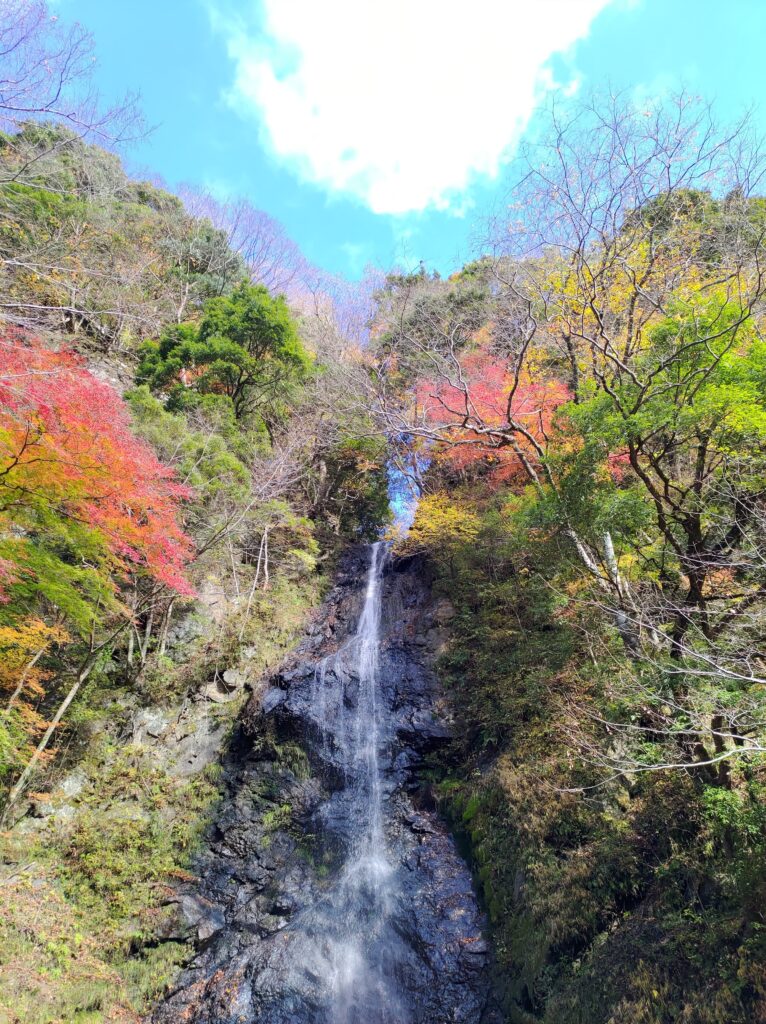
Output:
x=265 y=910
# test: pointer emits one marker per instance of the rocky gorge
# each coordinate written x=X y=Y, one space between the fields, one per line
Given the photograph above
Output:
x=330 y=890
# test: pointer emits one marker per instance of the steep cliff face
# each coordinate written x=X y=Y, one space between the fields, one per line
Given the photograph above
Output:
x=331 y=891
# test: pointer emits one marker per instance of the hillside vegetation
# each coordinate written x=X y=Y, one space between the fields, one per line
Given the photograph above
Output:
x=192 y=428
x=593 y=421
x=173 y=491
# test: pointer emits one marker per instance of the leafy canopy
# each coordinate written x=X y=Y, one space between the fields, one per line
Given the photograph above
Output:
x=246 y=347
x=83 y=502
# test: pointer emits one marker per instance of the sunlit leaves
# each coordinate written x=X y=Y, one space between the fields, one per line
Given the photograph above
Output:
x=441 y=524
x=246 y=347
x=83 y=503
x=22 y=686
x=486 y=413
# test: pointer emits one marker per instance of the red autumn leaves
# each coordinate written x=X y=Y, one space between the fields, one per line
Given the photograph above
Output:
x=482 y=407
x=66 y=445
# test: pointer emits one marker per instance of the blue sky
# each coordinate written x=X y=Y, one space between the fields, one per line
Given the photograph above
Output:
x=379 y=131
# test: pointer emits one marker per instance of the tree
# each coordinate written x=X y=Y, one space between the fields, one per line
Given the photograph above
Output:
x=259 y=242
x=479 y=403
x=650 y=287
x=441 y=526
x=85 y=508
x=86 y=250
x=245 y=347
x=22 y=684
x=46 y=74
x=632 y=283
x=70 y=466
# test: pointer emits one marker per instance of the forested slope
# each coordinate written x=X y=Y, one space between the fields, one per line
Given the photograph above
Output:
x=588 y=403
x=193 y=427
x=174 y=489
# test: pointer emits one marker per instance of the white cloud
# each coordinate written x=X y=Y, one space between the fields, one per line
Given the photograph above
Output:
x=399 y=103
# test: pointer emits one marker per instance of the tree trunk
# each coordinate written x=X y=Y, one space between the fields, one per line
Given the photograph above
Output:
x=27 y=669
x=165 y=627
x=143 y=645
x=724 y=768
x=18 y=789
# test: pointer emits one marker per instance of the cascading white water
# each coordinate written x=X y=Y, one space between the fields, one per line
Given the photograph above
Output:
x=368 y=864
x=361 y=911
x=350 y=724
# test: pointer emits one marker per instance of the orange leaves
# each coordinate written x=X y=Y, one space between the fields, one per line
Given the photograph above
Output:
x=22 y=683
x=484 y=414
x=20 y=649
x=67 y=451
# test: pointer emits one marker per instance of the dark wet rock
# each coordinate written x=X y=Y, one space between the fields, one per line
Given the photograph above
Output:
x=205 y=917
x=277 y=853
x=272 y=699
x=420 y=823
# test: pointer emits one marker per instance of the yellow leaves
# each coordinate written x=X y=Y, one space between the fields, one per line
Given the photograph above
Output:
x=21 y=686
x=440 y=523
x=20 y=647
x=575 y=587
x=29 y=636
x=535 y=365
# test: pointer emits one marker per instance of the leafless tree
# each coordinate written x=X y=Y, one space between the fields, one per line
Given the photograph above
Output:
x=46 y=74
x=268 y=255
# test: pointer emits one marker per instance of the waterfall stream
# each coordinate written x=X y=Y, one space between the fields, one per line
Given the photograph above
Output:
x=362 y=911
x=355 y=914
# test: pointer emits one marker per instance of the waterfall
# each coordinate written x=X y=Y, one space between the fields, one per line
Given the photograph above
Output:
x=357 y=914
x=358 y=908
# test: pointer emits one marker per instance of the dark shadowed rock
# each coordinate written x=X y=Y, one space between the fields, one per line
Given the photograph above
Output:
x=275 y=879
x=272 y=700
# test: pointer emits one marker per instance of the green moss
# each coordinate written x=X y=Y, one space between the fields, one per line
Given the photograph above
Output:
x=278 y=818
x=107 y=872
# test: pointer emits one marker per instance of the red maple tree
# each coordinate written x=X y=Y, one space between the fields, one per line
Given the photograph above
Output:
x=483 y=412
x=66 y=445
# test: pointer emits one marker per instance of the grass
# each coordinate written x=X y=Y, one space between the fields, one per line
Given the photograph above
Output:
x=84 y=902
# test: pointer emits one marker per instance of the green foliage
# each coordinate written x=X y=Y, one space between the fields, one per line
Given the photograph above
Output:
x=277 y=616
x=102 y=881
x=63 y=564
x=735 y=823
x=224 y=397
x=116 y=861
x=206 y=449
x=63 y=976
x=356 y=486
x=631 y=900
x=278 y=818
x=246 y=347
x=426 y=312
x=110 y=258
